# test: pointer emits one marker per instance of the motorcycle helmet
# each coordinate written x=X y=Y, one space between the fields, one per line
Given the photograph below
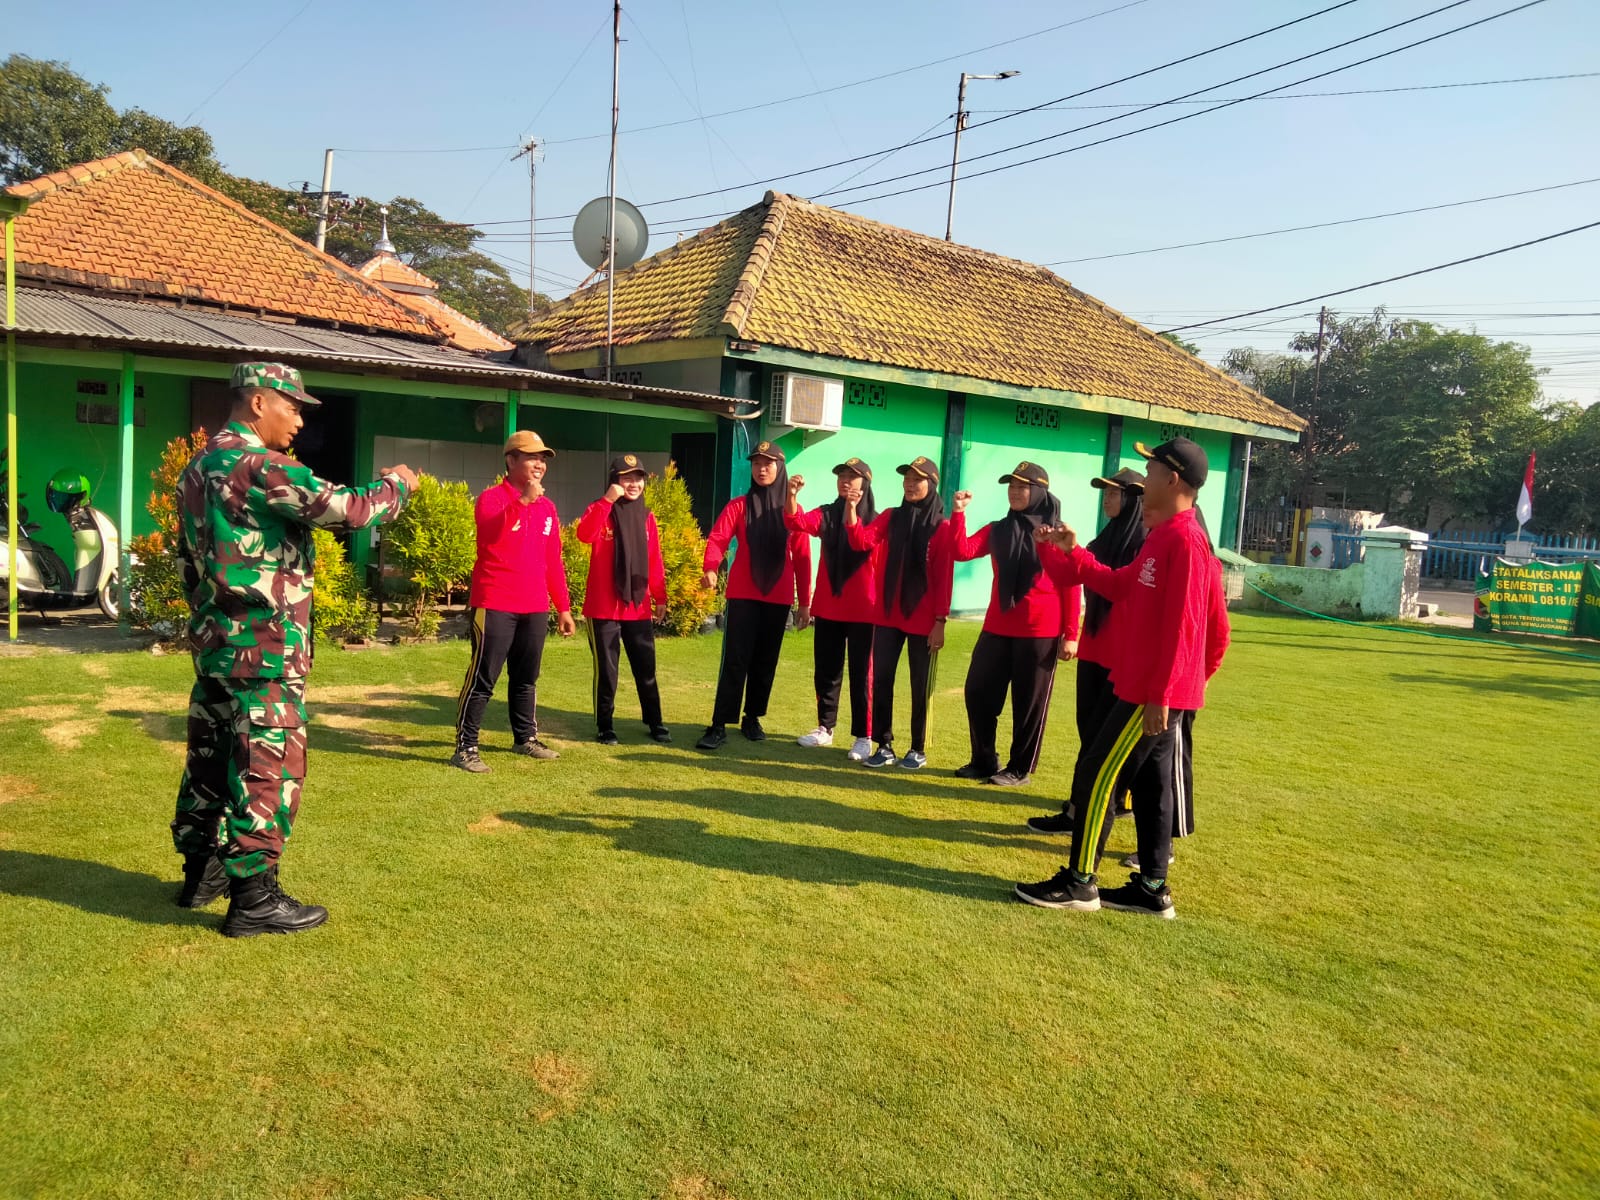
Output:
x=66 y=491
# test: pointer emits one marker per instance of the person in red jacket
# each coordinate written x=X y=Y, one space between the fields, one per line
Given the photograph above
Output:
x=625 y=575
x=1122 y=501
x=1176 y=620
x=916 y=545
x=517 y=578
x=771 y=571
x=1031 y=623
x=842 y=605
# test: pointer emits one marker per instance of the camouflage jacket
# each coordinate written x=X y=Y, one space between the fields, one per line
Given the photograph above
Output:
x=245 y=516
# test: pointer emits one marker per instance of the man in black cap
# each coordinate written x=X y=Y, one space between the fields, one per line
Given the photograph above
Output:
x=1170 y=598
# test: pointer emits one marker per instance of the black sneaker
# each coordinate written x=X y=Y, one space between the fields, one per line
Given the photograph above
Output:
x=1060 y=891
x=468 y=760
x=883 y=756
x=1009 y=779
x=1135 y=896
x=914 y=760
x=712 y=738
x=661 y=734
x=606 y=737
x=751 y=728
x=974 y=771
x=1058 y=822
x=534 y=748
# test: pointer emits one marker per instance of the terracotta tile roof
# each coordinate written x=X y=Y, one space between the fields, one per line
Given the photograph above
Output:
x=414 y=289
x=802 y=276
x=388 y=270
x=132 y=224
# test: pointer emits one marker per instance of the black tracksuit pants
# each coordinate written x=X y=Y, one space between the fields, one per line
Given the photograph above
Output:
x=1153 y=767
x=1025 y=666
x=607 y=640
x=832 y=640
x=751 y=643
x=500 y=640
x=886 y=645
x=1095 y=699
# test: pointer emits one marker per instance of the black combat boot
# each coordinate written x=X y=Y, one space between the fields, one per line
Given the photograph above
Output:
x=258 y=905
x=203 y=880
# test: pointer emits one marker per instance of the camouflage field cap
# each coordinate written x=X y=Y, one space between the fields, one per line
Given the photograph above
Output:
x=277 y=376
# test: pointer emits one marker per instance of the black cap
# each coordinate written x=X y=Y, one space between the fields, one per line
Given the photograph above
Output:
x=1125 y=478
x=1185 y=458
x=854 y=466
x=766 y=450
x=920 y=465
x=1028 y=472
x=627 y=464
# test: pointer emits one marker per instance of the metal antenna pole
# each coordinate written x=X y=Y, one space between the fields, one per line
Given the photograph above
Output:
x=611 y=185
x=322 y=204
x=532 y=150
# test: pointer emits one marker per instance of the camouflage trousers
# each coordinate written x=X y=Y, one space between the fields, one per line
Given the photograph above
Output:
x=246 y=764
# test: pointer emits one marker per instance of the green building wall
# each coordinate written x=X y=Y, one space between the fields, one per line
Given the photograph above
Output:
x=1221 y=482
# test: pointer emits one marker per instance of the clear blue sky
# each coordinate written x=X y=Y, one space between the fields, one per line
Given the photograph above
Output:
x=377 y=79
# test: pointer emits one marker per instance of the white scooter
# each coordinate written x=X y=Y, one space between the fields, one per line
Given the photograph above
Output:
x=44 y=582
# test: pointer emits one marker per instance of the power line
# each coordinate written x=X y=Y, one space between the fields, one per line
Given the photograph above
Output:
x=1417 y=87
x=839 y=87
x=845 y=162
x=1203 y=112
x=1191 y=116
x=1399 y=212
x=1392 y=279
x=300 y=12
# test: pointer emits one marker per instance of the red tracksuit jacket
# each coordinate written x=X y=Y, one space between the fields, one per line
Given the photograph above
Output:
x=1174 y=619
x=793 y=586
x=519 y=567
x=1048 y=610
x=859 y=600
x=935 y=602
x=600 y=599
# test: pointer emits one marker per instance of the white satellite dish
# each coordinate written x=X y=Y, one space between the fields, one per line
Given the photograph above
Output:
x=589 y=233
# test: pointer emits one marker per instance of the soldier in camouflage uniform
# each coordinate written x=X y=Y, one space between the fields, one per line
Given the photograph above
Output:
x=246 y=511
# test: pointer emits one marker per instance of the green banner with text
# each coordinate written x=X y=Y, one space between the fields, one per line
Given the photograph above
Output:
x=1559 y=599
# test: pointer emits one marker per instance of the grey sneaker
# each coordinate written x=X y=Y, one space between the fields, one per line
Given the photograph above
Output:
x=467 y=759
x=914 y=760
x=534 y=749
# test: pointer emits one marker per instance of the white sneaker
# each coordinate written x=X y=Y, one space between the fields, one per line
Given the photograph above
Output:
x=861 y=750
x=820 y=736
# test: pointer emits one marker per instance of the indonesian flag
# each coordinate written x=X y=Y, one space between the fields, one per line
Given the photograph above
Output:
x=1525 y=498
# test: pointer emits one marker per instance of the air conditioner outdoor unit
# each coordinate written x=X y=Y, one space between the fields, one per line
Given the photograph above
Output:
x=806 y=401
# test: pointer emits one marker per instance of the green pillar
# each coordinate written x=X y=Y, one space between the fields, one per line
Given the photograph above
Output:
x=11 y=427
x=511 y=412
x=1112 y=463
x=955 y=434
x=125 y=498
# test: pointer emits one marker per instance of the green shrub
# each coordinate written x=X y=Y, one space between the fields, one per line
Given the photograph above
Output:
x=156 y=599
x=683 y=548
x=340 y=610
x=434 y=542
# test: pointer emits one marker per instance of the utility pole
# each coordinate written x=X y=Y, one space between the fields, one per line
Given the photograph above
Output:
x=1316 y=392
x=327 y=195
x=534 y=152
x=955 y=150
x=611 y=184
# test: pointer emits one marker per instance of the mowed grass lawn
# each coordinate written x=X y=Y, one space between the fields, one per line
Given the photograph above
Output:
x=649 y=972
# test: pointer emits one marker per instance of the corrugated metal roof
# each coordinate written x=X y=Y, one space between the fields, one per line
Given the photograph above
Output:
x=133 y=323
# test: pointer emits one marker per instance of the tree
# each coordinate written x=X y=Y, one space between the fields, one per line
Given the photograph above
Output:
x=1180 y=343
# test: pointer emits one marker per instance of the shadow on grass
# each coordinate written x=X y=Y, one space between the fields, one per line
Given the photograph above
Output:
x=98 y=888
x=1560 y=691
x=846 y=818
x=843 y=773
x=688 y=841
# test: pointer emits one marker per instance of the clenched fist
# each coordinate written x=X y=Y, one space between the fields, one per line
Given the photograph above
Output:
x=960 y=500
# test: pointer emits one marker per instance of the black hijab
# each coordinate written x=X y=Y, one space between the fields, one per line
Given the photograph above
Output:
x=843 y=562
x=1115 y=546
x=765 y=536
x=905 y=570
x=1016 y=558
x=631 y=547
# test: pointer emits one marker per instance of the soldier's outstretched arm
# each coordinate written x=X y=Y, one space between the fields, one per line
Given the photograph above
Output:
x=295 y=492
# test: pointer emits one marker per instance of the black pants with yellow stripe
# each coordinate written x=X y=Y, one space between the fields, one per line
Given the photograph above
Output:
x=1153 y=768
x=502 y=640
